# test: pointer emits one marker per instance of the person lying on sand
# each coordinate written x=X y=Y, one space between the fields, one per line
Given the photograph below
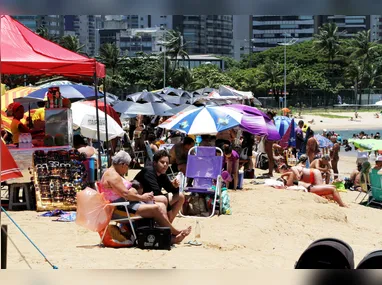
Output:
x=311 y=179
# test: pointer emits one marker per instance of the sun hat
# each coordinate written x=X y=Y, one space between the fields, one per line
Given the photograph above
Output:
x=15 y=106
x=379 y=158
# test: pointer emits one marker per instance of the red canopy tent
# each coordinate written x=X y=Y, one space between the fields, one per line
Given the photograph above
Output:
x=24 y=52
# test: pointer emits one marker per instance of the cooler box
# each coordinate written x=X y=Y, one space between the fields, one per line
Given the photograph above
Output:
x=154 y=238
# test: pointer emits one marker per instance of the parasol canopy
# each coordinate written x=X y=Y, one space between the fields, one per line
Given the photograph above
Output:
x=367 y=144
x=323 y=142
x=204 y=120
x=9 y=168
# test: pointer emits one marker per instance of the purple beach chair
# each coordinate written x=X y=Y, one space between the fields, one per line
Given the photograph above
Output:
x=205 y=167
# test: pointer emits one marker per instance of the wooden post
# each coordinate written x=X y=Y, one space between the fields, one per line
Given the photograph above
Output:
x=4 y=239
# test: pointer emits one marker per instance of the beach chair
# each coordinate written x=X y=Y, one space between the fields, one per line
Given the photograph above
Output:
x=375 y=192
x=168 y=147
x=205 y=168
x=365 y=189
x=150 y=154
x=117 y=219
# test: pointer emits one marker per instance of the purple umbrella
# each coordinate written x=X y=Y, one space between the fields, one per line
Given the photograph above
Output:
x=256 y=122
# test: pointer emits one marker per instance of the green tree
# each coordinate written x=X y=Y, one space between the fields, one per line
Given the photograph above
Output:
x=363 y=51
x=175 y=46
x=328 y=43
x=43 y=32
x=72 y=43
x=272 y=73
x=109 y=54
x=209 y=75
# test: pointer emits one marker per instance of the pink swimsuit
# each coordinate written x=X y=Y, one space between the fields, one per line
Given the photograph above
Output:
x=109 y=193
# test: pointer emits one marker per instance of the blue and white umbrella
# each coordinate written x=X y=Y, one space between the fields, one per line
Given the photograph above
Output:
x=205 y=120
x=323 y=142
x=73 y=92
x=282 y=124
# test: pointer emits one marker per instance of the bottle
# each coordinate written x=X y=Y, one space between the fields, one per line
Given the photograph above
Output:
x=197 y=231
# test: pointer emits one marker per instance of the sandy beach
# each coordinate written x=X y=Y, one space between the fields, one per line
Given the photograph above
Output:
x=269 y=228
x=367 y=121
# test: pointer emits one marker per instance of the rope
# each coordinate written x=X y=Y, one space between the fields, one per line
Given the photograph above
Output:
x=46 y=259
x=23 y=257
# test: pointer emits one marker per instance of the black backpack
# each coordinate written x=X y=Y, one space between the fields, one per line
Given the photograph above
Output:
x=328 y=253
x=372 y=260
x=262 y=161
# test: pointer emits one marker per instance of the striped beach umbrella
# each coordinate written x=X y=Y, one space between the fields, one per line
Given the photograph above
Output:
x=205 y=120
x=18 y=92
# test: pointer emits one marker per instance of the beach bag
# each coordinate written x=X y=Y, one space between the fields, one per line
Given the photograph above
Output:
x=262 y=161
x=249 y=173
x=244 y=154
x=92 y=210
x=116 y=237
x=196 y=205
x=226 y=207
x=328 y=253
x=372 y=260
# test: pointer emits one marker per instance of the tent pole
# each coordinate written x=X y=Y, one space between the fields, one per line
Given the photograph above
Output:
x=98 y=132
x=106 y=130
x=1 y=121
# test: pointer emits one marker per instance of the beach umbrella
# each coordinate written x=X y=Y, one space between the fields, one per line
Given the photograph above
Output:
x=181 y=108
x=203 y=91
x=203 y=121
x=144 y=97
x=9 y=168
x=323 y=142
x=55 y=83
x=176 y=100
x=74 y=92
x=289 y=138
x=18 y=92
x=148 y=109
x=282 y=124
x=256 y=122
x=85 y=118
x=109 y=109
x=367 y=144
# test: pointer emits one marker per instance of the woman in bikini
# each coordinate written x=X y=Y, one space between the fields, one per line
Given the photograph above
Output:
x=311 y=179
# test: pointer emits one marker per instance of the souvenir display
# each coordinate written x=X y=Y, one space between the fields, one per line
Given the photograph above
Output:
x=58 y=176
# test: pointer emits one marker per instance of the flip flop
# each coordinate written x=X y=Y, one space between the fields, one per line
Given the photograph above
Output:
x=263 y=176
x=257 y=182
x=193 y=242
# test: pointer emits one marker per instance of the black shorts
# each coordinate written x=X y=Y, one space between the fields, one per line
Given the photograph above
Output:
x=120 y=211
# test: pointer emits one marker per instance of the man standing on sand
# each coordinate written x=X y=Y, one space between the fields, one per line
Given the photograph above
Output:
x=299 y=137
x=334 y=155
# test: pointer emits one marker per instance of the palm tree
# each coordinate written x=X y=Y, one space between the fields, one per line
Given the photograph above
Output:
x=109 y=54
x=44 y=33
x=353 y=72
x=273 y=73
x=372 y=77
x=363 y=52
x=328 y=42
x=71 y=43
x=175 y=46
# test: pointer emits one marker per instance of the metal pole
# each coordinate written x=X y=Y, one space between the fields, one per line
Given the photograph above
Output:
x=4 y=243
x=164 y=67
x=97 y=117
x=1 y=123
x=106 y=130
x=285 y=101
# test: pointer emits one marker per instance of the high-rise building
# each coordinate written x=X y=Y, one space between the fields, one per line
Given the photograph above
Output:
x=269 y=30
x=376 y=27
x=53 y=23
x=242 y=35
x=348 y=24
x=84 y=28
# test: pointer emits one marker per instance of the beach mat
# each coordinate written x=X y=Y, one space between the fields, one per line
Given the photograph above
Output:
x=328 y=253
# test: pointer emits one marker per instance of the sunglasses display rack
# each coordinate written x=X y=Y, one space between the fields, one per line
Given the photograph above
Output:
x=57 y=177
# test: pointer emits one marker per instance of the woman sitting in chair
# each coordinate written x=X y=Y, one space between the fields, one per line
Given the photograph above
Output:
x=117 y=189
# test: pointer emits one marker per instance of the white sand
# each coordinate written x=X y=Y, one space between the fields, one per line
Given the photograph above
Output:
x=367 y=121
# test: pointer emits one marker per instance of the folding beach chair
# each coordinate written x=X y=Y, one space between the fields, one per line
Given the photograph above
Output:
x=168 y=147
x=117 y=219
x=205 y=167
x=150 y=154
x=365 y=189
x=375 y=192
